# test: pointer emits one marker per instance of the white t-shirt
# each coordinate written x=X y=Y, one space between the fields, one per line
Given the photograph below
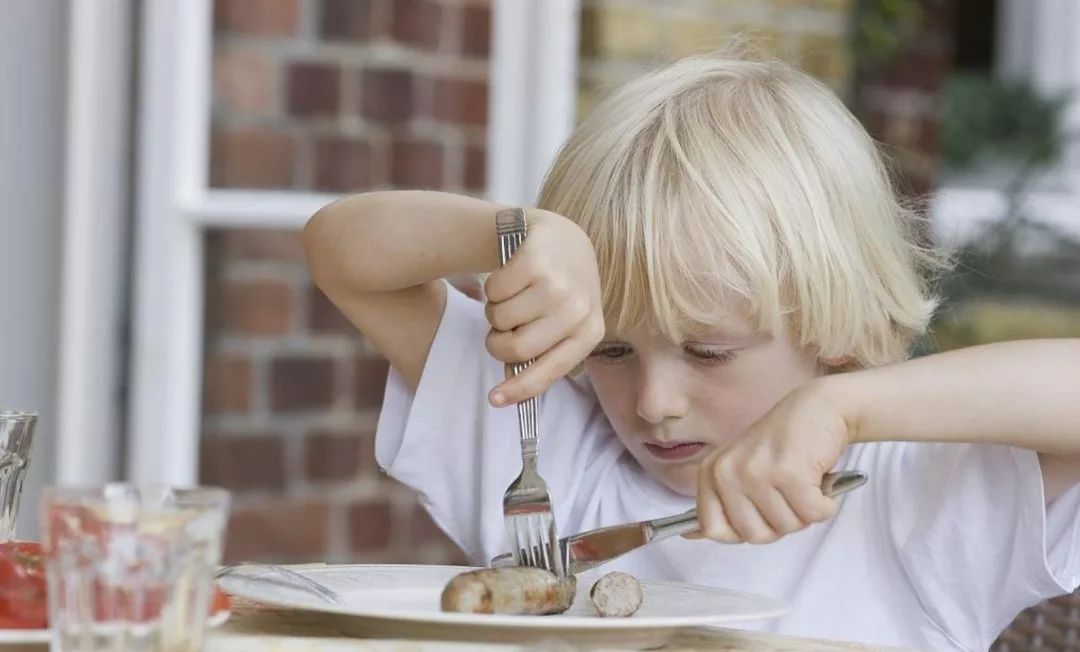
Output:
x=939 y=551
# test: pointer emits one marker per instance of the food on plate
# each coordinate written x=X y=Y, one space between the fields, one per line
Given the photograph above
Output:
x=23 y=603
x=514 y=590
x=616 y=595
x=24 y=600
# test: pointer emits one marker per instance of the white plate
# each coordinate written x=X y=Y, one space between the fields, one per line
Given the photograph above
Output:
x=12 y=636
x=403 y=601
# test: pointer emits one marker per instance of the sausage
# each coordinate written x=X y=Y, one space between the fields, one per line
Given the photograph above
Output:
x=512 y=590
x=616 y=595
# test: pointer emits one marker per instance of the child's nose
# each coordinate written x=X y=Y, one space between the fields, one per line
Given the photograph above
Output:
x=660 y=396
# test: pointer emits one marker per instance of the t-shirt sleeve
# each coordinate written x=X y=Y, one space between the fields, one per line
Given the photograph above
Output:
x=447 y=443
x=972 y=530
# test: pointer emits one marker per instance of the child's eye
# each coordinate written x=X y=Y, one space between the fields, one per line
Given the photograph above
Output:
x=711 y=356
x=611 y=352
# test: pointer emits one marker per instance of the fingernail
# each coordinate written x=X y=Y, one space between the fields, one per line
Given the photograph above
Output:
x=498 y=399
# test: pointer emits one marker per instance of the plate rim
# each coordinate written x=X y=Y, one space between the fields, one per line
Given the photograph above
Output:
x=776 y=607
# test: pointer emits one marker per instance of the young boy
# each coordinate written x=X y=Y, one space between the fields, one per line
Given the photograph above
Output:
x=718 y=241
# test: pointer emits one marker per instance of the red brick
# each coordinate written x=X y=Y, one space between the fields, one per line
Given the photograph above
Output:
x=386 y=95
x=422 y=529
x=416 y=164
x=298 y=383
x=243 y=81
x=343 y=165
x=370 y=377
x=325 y=316
x=227 y=384
x=370 y=526
x=476 y=30
x=460 y=101
x=277 y=531
x=262 y=17
x=349 y=20
x=252 y=158
x=915 y=70
x=338 y=455
x=253 y=307
x=475 y=172
x=258 y=245
x=314 y=89
x=417 y=23
x=242 y=462
x=929 y=136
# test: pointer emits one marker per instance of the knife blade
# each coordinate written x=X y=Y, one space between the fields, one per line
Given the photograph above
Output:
x=587 y=550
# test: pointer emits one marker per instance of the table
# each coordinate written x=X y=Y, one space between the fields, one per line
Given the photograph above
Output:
x=257 y=628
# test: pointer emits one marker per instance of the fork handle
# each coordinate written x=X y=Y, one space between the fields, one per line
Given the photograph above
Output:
x=832 y=485
x=511 y=227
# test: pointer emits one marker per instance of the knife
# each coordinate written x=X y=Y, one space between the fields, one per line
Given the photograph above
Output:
x=587 y=550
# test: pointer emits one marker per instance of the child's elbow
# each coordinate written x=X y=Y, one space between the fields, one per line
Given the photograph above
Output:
x=320 y=236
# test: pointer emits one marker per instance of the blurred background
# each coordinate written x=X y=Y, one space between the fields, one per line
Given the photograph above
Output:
x=157 y=160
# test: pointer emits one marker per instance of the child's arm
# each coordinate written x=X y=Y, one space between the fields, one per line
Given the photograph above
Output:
x=379 y=257
x=1023 y=394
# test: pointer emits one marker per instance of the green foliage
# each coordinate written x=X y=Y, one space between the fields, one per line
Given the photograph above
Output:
x=882 y=27
x=986 y=120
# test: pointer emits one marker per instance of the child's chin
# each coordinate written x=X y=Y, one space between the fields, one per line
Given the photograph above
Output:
x=681 y=482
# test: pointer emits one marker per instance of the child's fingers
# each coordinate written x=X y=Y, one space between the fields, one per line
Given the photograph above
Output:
x=533 y=339
x=778 y=514
x=711 y=515
x=810 y=504
x=509 y=281
x=548 y=368
x=745 y=518
x=522 y=308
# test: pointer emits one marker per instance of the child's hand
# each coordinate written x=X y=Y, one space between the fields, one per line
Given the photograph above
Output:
x=768 y=483
x=544 y=304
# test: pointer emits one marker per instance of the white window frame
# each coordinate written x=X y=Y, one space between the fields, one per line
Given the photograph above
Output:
x=532 y=105
x=97 y=173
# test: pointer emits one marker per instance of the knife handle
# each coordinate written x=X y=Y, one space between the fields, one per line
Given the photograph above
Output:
x=832 y=485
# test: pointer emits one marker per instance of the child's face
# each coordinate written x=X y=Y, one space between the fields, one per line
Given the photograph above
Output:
x=671 y=404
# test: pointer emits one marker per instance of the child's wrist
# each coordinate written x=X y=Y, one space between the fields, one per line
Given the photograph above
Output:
x=841 y=393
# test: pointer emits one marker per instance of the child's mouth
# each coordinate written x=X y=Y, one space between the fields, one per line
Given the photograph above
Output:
x=675 y=450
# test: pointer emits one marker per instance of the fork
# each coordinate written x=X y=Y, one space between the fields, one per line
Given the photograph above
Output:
x=299 y=580
x=530 y=522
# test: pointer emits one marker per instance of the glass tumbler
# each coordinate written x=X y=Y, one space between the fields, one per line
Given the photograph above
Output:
x=16 y=437
x=131 y=567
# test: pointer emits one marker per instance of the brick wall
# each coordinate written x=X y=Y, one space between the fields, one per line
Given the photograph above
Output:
x=328 y=96
x=345 y=95
x=897 y=99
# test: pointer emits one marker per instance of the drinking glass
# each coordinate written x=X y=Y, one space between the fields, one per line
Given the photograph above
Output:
x=16 y=436
x=131 y=567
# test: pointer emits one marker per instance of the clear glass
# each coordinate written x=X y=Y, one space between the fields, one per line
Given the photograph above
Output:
x=16 y=437
x=131 y=568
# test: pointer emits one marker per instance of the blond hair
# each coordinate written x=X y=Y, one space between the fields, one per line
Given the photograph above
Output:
x=719 y=181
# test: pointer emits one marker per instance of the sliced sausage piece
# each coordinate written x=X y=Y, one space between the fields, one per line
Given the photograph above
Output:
x=512 y=590
x=616 y=595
